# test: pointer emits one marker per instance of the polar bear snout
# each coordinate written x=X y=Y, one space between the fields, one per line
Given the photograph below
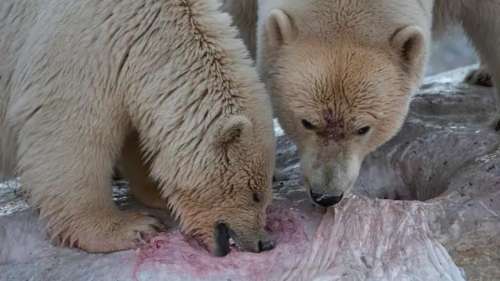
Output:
x=327 y=193
x=257 y=243
x=329 y=174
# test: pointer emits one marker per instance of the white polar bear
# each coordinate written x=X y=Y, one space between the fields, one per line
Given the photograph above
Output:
x=341 y=74
x=81 y=78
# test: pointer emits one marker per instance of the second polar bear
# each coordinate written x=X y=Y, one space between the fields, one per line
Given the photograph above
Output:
x=80 y=78
x=341 y=74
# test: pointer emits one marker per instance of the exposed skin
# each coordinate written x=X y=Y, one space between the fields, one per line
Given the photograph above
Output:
x=164 y=84
x=342 y=73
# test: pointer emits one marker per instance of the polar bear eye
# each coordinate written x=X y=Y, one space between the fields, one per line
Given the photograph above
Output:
x=308 y=125
x=363 y=131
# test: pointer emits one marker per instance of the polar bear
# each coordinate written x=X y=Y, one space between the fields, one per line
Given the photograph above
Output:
x=163 y=84
x=341 y=74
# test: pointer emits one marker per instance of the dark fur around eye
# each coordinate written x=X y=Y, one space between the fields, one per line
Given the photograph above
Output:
x=308 y=125
x=363 y=131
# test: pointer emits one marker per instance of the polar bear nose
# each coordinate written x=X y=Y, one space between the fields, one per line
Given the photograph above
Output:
x=326 y=200
x=266 y=245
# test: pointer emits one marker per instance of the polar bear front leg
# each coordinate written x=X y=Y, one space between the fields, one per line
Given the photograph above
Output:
x=482 y=25
x=66 y=167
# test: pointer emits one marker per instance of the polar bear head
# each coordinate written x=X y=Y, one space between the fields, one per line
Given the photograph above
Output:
x=338 y=92
x=227 y=194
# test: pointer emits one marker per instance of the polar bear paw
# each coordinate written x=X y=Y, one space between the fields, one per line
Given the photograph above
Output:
x=479 y=77
x=104 y=233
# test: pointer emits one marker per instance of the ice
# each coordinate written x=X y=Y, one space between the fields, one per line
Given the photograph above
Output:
x=426 y=207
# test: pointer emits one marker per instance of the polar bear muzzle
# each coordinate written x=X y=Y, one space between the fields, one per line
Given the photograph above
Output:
x=223 y=233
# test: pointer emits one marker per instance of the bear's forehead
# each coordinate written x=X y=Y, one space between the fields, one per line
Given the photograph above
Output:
x=335 y=125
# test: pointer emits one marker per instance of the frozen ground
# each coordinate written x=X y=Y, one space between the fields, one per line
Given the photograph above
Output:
x=439 y=220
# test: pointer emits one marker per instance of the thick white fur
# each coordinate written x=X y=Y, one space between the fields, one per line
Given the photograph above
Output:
x=78 y=77
x=359 y=45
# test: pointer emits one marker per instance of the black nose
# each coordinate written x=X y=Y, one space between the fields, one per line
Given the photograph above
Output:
x=266 y=245
x=325 y=200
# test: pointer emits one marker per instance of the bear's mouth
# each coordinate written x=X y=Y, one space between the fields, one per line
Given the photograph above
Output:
x=223 y=235
x=226 y=239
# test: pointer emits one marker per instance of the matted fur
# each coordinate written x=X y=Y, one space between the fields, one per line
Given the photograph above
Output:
x=343 y=66
x=88 y=74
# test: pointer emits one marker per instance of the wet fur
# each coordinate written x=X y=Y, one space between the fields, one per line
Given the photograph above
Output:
x=80 y=77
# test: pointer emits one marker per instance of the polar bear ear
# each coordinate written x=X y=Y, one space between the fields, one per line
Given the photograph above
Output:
x=233 y=129
x=409 y=43
x=279 y=28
